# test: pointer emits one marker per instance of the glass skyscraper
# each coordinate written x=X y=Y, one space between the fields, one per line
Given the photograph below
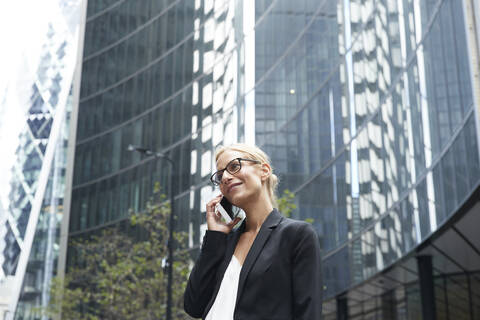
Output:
x=368 y=109
x=35 y=110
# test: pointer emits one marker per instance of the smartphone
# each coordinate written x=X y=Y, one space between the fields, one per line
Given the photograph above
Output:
x=226 y=210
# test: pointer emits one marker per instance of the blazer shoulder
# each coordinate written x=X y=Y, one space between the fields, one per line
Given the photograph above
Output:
x=296 y=229
x=296 y=225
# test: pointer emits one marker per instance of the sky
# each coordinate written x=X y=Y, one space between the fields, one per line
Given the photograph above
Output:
x=24 y=26
x=22 y=30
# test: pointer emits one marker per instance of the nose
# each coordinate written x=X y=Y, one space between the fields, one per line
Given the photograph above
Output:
x=226 y=177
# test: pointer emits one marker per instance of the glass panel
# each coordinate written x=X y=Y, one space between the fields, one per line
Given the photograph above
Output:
x=409 y=228
x=356 y=258
x=441 y=297
x=461 y=169
x=475 y=293
x=472 y=156
x=316 y=202
x=458 y=297
x=423 y=212
x=336 y=273
x=438 y=187
x=414 y=306
x=450 y=194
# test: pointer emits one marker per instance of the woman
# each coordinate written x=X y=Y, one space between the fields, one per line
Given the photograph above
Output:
x=268 y=268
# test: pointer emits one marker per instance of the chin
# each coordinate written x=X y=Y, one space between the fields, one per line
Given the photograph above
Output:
x=235 y=200
x=239 y=200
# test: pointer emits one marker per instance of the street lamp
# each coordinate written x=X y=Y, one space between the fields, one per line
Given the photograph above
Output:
x=148 y=152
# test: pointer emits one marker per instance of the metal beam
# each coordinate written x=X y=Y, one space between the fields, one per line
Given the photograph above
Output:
x=62 y=255
x=471 y=12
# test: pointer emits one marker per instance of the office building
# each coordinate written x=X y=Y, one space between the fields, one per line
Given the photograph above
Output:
x=368 y=109
x=34 y=135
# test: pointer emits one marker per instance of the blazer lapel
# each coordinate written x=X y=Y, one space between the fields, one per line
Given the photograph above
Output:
x=266 y=229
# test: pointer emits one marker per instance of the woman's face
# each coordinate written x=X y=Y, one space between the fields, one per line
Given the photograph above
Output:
x=246 y=184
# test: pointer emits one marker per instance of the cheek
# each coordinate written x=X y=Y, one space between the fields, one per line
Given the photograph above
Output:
x=222 y=189
x=254 y=184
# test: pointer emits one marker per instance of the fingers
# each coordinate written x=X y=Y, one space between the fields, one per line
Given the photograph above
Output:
x=212 y=203
x=215 y=220
x=234 y=222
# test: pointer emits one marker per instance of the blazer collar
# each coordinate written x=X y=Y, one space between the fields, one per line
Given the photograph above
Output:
x=272 y=221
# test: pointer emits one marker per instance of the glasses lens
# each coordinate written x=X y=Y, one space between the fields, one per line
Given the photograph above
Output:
x=234 y=166
x=217 y=178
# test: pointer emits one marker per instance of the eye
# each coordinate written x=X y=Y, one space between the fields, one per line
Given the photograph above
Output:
x=233 y=167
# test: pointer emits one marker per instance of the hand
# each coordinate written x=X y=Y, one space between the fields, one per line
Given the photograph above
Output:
x=214 y=219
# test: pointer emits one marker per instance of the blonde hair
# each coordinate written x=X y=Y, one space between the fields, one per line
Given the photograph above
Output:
x=255 y=153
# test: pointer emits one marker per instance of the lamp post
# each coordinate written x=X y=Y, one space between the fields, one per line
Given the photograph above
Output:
x=150 y=153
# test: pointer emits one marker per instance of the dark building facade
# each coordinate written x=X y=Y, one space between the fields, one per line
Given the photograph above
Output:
x=366 y=108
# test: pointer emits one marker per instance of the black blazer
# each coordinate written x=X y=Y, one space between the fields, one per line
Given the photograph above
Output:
x=280 y=278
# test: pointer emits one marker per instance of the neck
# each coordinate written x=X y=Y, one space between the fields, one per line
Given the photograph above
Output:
x=256 y=213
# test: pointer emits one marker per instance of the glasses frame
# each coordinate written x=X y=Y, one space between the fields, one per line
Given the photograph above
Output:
x=223 y=170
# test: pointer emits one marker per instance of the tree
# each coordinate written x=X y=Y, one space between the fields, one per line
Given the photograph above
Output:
x=122 y=275
x=286 y=205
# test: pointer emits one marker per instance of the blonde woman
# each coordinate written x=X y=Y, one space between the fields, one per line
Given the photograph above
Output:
x=268 y=268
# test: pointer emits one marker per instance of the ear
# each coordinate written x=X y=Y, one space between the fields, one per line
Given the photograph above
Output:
x=266 y=171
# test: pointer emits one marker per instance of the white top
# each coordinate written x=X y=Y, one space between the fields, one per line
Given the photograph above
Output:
x=224 y=304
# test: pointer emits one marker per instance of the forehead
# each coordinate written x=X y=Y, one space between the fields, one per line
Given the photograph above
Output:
x=228 y=156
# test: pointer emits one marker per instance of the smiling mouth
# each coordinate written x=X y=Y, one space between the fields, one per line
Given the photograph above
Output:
x=233 y=186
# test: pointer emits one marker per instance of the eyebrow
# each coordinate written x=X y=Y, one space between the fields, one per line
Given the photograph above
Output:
x=227 y=163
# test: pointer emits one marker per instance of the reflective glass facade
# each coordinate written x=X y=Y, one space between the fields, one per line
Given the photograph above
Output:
x=363 y=111
x=365 y=107
x=162 y=75
x=122 y=103
x=35 y=113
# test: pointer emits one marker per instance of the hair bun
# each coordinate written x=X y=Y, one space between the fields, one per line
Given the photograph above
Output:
x=274 y=179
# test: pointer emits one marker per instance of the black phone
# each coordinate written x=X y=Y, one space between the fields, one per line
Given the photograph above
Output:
x=228 y=207
x=228 y=211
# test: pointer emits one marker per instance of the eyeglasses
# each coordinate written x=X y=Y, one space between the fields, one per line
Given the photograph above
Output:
x=232 y=167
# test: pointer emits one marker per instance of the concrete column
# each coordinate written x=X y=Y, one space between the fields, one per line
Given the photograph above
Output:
x=427 y=292
x=342 y=308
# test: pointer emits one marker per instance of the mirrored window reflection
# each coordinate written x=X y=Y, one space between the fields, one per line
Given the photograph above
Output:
x=422 y=203
x=406 y=111
x=369 y=254
x=411 y=231
x=336 y=272
x=323 y=204
x=389 y=239
x=356 y=260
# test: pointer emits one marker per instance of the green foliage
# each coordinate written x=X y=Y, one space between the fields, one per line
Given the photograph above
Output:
x=309 y=220
x=286 y=205
x=123 y=276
